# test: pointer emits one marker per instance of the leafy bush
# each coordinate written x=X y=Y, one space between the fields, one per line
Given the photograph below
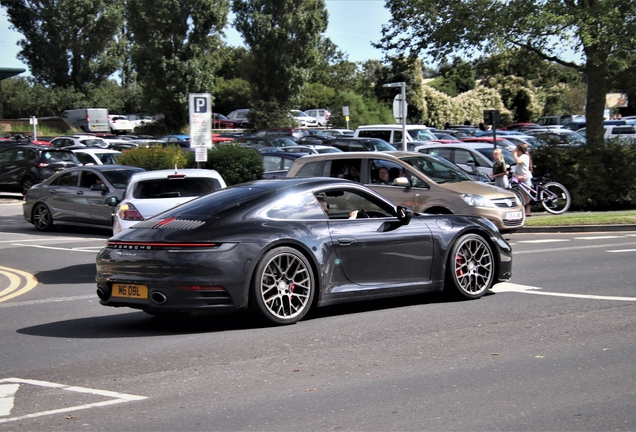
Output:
x=235 y=163
x=599 y=177
x=155 y=158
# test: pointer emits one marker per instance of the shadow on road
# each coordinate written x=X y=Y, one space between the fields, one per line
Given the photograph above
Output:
x=139 y=324
x=77 y=274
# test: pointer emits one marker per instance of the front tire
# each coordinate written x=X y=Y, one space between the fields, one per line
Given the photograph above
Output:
x=555 y=198
x=283 y=286
x=471 y=267
x=42 y=219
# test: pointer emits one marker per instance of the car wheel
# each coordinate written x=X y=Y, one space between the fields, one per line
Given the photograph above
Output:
x=471 y=267
x=27 y=183
x=283 y=286
x=42 y=218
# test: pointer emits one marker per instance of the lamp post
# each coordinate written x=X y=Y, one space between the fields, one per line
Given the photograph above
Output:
x=402 y=108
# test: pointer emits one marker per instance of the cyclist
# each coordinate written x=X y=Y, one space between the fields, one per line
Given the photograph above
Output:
x=523 y=172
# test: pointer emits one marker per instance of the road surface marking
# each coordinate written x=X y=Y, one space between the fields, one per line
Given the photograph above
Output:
x=622 y=250
x=543 y=241
x=570 y=248
x=49 y=300
x=511 y=287
x=116 y=398
x=598 y=237
x=59 y=248
x=15 y=279
x=7 y=396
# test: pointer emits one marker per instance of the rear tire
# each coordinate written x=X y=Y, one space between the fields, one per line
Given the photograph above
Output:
x=283 y=286
x=471 y=267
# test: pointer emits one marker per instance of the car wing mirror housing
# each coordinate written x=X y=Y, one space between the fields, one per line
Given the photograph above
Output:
x=111 y=201
x=401 y=181
x=404 y=214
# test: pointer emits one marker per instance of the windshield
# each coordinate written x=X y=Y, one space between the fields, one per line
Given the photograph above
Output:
x=119 y=178
x=437 y=170
x=421 y=135
x=507 y=154
x=379 y=145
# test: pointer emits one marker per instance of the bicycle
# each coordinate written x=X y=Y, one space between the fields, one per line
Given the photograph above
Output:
x=553 y=196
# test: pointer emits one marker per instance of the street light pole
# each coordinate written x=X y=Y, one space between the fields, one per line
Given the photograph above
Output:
x=402 y=86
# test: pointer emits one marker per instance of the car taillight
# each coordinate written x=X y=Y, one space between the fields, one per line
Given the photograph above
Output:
x=129 y=212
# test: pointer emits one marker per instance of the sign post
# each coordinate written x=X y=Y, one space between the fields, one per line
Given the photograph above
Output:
x=345 y=113
x=200 y=125
x=34 y=121
x=399 y=108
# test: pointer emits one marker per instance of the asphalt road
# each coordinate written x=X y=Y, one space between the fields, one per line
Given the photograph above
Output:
x=552 y=350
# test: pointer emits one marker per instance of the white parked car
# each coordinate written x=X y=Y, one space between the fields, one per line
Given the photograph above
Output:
x=97 y=156
x=153 y=192
x=320 y=114
x=140 y=119
x=120 y=124
x=303 y=119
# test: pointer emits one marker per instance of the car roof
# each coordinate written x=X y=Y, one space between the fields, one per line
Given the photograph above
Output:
x=94 y=150
x=159 y=174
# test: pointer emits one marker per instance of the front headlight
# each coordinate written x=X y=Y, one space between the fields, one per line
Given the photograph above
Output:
x=477 y=200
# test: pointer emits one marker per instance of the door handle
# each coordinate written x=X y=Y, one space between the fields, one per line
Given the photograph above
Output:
x=346 y=241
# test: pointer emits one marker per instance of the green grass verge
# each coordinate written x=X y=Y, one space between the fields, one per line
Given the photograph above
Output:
x=583 y=218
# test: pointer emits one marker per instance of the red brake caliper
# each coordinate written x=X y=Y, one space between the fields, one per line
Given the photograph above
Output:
x=459 y=260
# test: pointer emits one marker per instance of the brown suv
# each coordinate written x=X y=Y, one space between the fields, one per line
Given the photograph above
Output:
x=421 y=182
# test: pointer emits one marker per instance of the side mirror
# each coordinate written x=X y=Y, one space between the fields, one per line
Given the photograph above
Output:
x=401 y=181
x=99 y=187
x=404 y=214
x=111 y=201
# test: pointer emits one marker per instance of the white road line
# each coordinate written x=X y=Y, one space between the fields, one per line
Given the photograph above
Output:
x=48 y=300
x=570 y=248
x=525 y=289
x=117 y=398
x=55 y=248
x=598 y=237
x=544 y=241
x=53 y=239
x=622 y=250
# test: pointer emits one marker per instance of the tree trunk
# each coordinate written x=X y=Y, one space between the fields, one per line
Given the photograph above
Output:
x=596 y=72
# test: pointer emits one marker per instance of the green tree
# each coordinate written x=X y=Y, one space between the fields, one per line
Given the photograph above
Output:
x=455 y=78
x=68 y=43
x=173 y=41
x=601 y=32
x=283 y=37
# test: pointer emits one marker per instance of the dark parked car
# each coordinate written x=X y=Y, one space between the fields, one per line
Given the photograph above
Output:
x=23 y=165
x=360 y=144
x=281 y=247
x=78 y=196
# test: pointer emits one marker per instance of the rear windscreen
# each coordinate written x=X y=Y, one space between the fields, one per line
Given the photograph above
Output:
x=173 y=188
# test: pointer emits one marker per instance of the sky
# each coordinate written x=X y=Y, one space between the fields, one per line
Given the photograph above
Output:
x=353 y=25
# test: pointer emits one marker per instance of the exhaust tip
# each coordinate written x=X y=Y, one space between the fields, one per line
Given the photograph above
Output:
x=158 y=298
x=101 y=294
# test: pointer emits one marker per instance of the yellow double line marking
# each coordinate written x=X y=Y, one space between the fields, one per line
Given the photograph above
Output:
x=20 y=282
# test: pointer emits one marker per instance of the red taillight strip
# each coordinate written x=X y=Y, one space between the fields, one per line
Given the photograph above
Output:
x=131 y=245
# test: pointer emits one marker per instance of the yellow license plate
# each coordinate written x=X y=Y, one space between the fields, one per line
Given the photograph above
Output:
x=130 y=291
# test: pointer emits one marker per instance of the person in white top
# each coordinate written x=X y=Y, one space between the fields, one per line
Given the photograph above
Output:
x=523 y=172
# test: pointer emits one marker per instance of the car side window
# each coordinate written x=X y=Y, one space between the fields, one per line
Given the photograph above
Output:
x=88 y=179
x=68 y=179
x=463 y=157
x=314 y=169
x=340 y=203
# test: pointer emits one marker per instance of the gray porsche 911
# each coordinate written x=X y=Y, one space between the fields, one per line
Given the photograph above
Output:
x=283 y=246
